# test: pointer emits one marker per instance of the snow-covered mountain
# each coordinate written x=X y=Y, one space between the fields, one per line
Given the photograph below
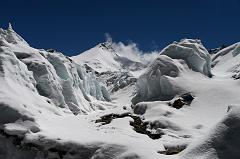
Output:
x=115 y=102
x=109 y=56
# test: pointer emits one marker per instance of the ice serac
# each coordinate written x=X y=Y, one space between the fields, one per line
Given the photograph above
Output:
x=158 y=81
x=193 y=52
x=38 y=86
x=48 y=76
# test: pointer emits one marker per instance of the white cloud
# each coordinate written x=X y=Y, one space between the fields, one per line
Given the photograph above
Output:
x=108 y=37
x=131 y=50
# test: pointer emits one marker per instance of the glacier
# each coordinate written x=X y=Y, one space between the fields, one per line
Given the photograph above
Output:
x=114 y=102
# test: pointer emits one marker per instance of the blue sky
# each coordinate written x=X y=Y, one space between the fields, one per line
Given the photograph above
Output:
x=72 y=26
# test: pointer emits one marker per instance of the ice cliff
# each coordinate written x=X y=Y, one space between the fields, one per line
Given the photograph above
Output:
x=49 y=76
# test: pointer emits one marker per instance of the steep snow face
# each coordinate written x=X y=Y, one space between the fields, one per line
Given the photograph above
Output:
x=193 y=52
x=54 y=76
x=101 y=58
x=227 y=61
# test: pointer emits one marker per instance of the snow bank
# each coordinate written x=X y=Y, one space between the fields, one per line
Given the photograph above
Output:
x=223 y=141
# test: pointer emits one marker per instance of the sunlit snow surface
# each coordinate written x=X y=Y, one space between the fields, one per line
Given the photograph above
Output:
x=51 y=103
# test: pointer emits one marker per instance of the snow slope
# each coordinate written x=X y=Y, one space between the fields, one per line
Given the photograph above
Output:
x=227 y=61
x=222 y=142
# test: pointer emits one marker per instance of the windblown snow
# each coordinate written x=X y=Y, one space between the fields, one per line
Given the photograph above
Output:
x=116 y=102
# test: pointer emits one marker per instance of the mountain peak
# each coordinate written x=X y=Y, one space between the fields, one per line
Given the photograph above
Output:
x=106 y=46
x=10 y=26
x=10 y=36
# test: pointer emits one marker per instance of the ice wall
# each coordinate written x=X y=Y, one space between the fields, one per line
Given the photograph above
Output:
x=52 y=75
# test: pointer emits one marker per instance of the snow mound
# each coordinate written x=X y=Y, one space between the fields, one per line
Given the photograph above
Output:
x=222 y=142
x=193 y=52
